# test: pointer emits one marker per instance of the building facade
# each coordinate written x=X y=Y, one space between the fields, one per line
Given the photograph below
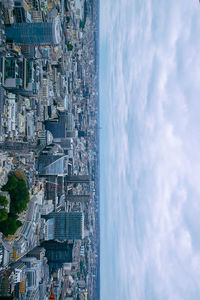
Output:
x=34 y=33
x=66 y=225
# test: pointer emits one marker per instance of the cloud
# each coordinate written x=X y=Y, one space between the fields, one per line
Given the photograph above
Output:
x=150 y=185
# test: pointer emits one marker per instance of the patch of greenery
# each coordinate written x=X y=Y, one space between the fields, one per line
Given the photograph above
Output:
x=10 y=225
x=19 y=194
x=3 y=214
x=19 y=198
x=3 y=201
x=3 y=211
x=70 y=47
x=67 y=19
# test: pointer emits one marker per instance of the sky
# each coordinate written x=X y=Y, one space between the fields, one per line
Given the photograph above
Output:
x=150 y=149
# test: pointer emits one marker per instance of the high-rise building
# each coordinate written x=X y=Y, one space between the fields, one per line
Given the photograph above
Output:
x=57 y=254
x=21 y=11
x=65 y=143
x=19 y=75
x=34 y=33
x=61 y=127
x=52 y=161
x=65 y=225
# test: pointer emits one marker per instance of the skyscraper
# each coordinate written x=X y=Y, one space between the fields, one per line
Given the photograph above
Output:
x=62 y=127
x=52 y=161
x=57 y=254
x=65 y=225
x=34 y=33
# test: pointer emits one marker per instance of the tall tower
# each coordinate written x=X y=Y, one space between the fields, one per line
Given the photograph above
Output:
x=63 y=226
x=34 y=33
x=57 y=253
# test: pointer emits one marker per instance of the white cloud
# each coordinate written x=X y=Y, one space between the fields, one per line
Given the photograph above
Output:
x=151 y=207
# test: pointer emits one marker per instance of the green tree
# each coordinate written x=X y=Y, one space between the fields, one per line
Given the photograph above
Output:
x=70 y=47
x=19 y=223
x=3 y=201
x=19 y=197
x=10 y=225
x=11 y=184
x=3 y=214
x=19 y=194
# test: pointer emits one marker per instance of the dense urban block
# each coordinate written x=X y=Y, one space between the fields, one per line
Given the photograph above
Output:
x=49 y=150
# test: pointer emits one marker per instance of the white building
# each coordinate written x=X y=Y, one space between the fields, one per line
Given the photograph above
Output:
x=11 y=115
x=33 y=273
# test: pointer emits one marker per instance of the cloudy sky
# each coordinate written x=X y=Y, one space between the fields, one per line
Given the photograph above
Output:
x=150 y=149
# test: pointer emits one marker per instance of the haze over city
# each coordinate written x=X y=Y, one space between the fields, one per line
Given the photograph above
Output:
x=150 y=161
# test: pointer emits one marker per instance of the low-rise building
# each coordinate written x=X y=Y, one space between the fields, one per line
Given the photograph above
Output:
x=18 y=75
x=5 y=253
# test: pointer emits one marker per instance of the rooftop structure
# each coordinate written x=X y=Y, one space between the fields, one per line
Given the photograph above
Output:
x=61 y=127
x=34 y=33
x=21 y=11
x=18 y=75
x=64 y=226
x=52 y=161
x=57 y=253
